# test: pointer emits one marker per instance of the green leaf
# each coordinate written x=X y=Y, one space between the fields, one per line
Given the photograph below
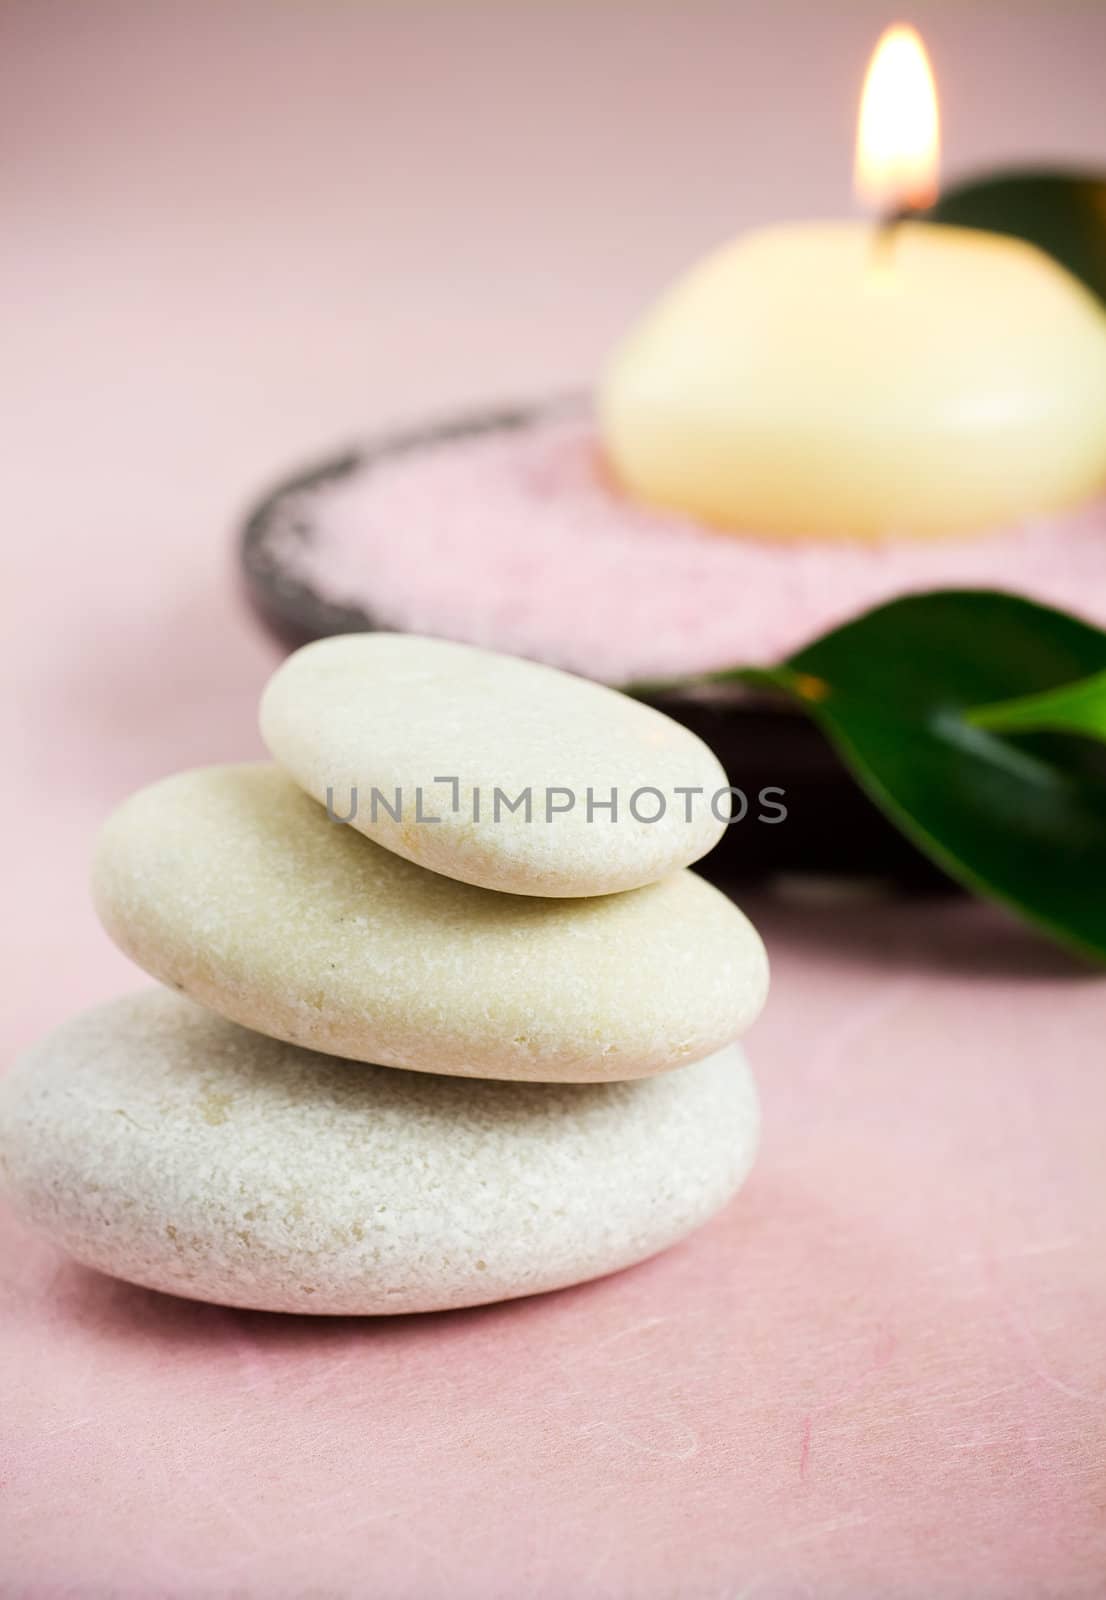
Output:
x=1076 y=708
x=1023 y=820
x=1062 y=212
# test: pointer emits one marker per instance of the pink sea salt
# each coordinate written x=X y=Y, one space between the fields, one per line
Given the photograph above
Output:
x=518 y=540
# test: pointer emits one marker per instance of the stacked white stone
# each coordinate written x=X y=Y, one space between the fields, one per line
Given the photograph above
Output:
x=463 y=866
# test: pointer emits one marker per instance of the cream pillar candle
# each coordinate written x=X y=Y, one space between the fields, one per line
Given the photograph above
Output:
x=817 y=380
x=841 y=381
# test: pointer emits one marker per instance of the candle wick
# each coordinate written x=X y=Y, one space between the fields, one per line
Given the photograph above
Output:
x=886 y=232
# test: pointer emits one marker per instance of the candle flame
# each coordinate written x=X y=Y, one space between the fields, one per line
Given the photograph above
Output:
x=898 y=136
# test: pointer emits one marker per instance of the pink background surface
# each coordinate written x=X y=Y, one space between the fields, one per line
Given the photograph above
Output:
x=235 y=235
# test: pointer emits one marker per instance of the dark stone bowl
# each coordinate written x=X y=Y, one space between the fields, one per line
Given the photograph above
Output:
x=831 y=827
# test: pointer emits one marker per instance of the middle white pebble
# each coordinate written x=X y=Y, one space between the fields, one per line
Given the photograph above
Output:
x=233 y=886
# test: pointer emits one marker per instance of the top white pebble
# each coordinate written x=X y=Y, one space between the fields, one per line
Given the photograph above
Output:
x=493 y=770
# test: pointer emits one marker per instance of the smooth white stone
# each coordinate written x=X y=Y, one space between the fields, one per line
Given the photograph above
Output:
x=231 y=885
x=166 y=1146
x=394 y=712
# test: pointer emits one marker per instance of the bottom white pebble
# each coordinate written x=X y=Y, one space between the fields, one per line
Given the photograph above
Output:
x=162 y=1144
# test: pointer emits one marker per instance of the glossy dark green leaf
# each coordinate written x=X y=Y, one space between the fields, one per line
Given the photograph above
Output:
x=1062 y=212
x=1022 y=820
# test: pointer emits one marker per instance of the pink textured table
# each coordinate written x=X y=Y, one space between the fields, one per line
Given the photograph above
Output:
x=236 y=235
